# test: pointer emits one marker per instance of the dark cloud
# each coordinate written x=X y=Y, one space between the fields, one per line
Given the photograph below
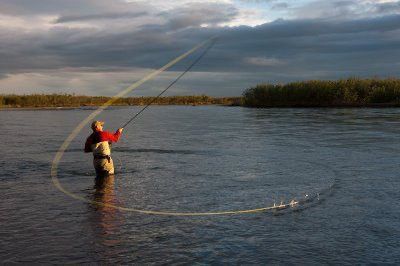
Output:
x=258 y=1
x=289 y=41
x=282 y=28
x=88 y=17
x=388 y=7
x=61 y=7
x=196 y=14
x=333 y=9
x=281 y=5
x=346 y=9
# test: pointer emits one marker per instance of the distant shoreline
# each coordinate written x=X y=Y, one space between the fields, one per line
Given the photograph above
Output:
x=93 y=107
x=344 y=93
x=66 y=101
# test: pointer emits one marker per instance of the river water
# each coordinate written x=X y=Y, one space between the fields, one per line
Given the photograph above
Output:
x=204 y=159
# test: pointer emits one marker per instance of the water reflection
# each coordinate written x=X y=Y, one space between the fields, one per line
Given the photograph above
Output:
x=106 y=221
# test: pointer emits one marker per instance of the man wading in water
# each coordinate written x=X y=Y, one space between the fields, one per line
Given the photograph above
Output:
x=99 y=143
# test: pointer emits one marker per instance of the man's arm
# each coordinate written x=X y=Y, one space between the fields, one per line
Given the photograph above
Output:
x=113 y=137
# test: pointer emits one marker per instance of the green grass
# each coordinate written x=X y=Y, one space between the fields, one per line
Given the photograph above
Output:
x=317 y=93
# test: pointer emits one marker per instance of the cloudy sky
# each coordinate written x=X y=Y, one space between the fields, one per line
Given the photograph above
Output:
x=98 y=47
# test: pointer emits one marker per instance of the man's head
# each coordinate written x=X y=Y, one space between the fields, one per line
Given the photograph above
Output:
x=97 y=125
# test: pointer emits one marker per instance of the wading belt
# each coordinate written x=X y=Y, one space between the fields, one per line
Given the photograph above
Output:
x=102 y=157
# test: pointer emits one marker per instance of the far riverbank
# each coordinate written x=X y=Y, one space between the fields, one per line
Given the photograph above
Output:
x=352 y=92
x=67 y=101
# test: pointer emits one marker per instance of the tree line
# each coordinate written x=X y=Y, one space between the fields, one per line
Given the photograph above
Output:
x=318 y=93
x=69 y=100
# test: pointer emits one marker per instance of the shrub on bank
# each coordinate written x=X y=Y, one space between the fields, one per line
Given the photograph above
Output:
x=315 y=93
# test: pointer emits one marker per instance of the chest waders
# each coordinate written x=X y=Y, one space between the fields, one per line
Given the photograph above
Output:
x=102 y=161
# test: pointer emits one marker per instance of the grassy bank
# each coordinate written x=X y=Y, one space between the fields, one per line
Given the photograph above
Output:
x=67 y=100
x=341 y=93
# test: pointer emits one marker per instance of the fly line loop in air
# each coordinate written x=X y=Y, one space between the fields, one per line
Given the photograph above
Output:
x=58 y=156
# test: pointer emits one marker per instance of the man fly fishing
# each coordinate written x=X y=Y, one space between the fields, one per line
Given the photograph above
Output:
x=99 y=143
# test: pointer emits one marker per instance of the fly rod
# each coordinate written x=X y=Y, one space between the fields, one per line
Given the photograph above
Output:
x=212 y=42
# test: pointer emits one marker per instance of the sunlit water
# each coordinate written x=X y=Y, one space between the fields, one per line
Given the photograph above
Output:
x=202 y=159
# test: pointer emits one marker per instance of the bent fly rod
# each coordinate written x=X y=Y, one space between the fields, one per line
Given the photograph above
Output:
x=212 y=42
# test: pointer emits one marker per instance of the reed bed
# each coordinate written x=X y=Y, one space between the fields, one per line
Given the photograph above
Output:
x=317 y=93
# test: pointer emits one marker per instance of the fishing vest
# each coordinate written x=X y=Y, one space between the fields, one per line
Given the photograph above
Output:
x=101 y=148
